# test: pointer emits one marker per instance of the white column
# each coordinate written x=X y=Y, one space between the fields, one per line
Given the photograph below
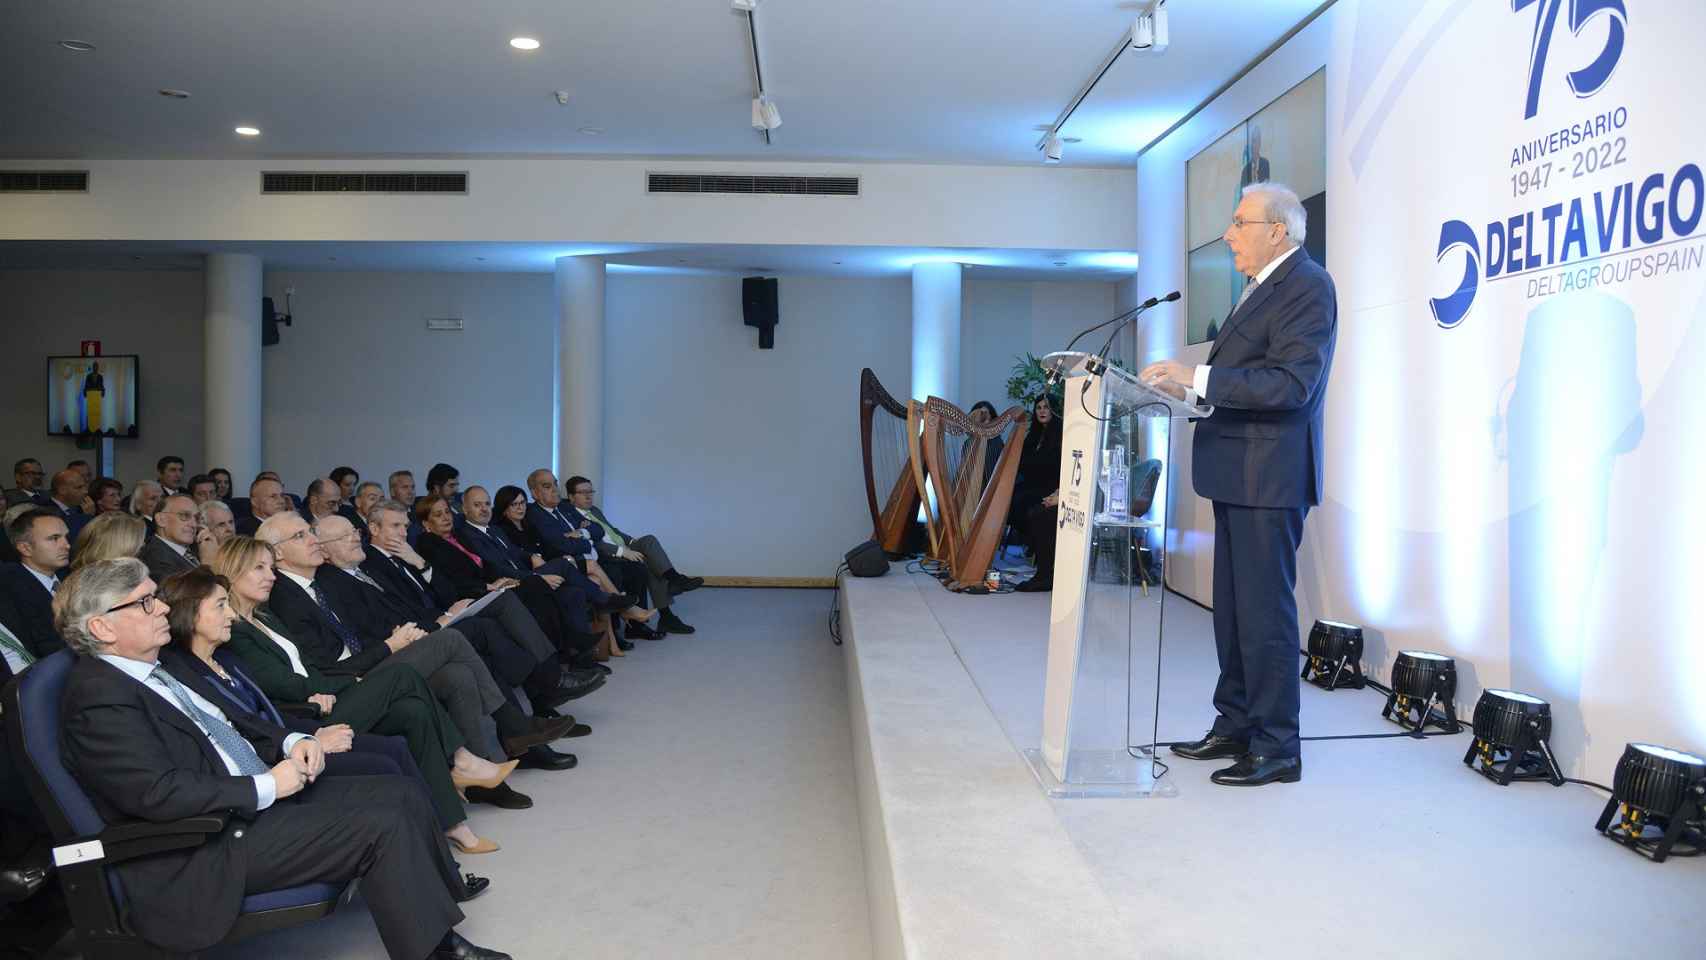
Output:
x=936 y=331
x=231 y=334
x=580 y=368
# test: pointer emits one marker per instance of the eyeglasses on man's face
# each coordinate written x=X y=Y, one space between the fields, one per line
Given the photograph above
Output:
x=302 y=534
x=184 y=515
x=147 y=603
x=1239 y=223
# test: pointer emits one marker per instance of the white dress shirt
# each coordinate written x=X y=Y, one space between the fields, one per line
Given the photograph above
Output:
x=266 y=789
x=1199 y=382
x=284 y=643
x=48 y=581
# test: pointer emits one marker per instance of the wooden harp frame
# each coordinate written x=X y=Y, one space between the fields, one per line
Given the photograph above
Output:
x=969 y=545
x=894 y=513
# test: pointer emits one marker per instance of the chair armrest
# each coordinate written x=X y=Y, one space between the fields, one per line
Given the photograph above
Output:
x=139 y=838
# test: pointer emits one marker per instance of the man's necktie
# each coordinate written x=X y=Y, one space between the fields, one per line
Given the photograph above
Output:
x=223 y=734
x=12 y=643
x=361 y=575
x=345 y=634
x=409 y=576
x=1249 y=288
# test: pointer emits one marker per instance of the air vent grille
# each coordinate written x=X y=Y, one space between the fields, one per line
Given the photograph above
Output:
x=44 y=181
x=773 y=184
x=388 y=181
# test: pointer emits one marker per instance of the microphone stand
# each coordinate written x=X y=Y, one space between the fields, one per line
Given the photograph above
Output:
x=1054 y=375
x=1098 y=363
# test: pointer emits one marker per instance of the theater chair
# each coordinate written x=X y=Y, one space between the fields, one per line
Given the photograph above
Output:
x=85 y=844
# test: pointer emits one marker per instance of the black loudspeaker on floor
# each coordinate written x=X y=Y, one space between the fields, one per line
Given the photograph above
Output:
x=867 y=560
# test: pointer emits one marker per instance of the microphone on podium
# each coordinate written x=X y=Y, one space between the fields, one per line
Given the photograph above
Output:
x=1054 y=375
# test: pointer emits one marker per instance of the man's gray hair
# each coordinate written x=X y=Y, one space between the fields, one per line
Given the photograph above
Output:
x=1280 y=204
x=363 y=485
x=268 y=533
x=202 y=511
x=90 y=592
x=141 y=487
x=391 y=506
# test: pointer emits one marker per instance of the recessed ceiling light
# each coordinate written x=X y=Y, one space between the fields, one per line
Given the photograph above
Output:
x=248 y=131
x=1060 y=263
x=524 y=43
x=592 y=131
x=174 y=94
x=77 y=46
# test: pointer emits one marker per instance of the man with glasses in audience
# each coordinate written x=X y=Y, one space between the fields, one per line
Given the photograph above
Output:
x=172 y=547
x=663 y=581
x=148 y=746
x=27 y=474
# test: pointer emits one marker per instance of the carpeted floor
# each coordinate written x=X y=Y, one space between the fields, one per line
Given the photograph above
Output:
x=1388 y=848
x=713 y=814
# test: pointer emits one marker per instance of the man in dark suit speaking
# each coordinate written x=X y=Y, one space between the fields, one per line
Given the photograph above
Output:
x=1258 y=458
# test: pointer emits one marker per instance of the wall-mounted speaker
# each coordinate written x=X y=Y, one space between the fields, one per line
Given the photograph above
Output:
x=759 y=306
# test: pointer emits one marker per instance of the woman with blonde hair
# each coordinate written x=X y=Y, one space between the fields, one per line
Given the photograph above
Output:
x=109 y=537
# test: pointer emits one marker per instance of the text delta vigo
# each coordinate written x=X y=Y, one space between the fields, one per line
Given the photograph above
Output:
x=1624 y=216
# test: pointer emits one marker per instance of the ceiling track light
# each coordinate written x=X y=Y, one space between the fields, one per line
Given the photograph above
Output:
x=1149 y=31
x=765 y=116
x=1150 y=27
x=524 y=43
x=1051 y=148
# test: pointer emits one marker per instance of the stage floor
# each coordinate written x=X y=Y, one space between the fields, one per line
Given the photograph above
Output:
x=1387 y=848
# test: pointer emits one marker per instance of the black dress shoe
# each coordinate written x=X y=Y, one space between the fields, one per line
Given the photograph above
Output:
x=502 y=796
x=1212 y=746
x=639 y=631
x=681 y=584
x=1037 y=584
x=472 y=887
x=609 y=602
x=454 y=947
x=602 y=668
x=20 y=883
x=1253 y=771
x=545 y=758
x=624 y=645
x=579 y=730
x=560 y=721
x=670 y=623
x=572 y=686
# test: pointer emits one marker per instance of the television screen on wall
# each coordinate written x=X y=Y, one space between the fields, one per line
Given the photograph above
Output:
x=92 y=396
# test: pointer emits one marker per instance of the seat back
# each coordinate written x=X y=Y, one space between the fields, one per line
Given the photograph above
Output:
x=1145 y=476
x=32 y=726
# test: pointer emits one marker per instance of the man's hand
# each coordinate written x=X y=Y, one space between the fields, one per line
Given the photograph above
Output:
x=504 y=583
x=88 y=505
x=535 y=560
x=287 y=778
x=628 y=554
x=407 y=553
x=552 y=580
x=1052 y=499
x=337 y=738
x=324 y=701
x=310 y=756
x=403 y=636
x=1169 y=376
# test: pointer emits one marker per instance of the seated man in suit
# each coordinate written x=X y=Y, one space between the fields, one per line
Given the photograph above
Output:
x=147 y=746
x=445 y=481
x=415 y=589
x=559 y=536
x=202 y=488
x=341 y=634
x=266 y=498
x=65 y=497
x=27 y=475
x=169 y=474
x=367 y=495
x=215 y=524
x=663 y=581
x=172 y=547
x=43 y=545
x=321 y=501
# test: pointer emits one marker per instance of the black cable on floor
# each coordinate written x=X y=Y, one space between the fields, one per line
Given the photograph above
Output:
x=835 y=607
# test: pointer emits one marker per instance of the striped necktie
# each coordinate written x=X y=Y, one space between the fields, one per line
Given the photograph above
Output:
x=15 y=651
x=223 y=734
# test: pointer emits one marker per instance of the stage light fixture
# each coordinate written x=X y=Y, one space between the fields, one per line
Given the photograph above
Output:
x=1335 y=656
x=1511 y=734
x=1420 y=682
x=1149 y=31
x=765 y=116
x=1661 y=796
x=1051 y=148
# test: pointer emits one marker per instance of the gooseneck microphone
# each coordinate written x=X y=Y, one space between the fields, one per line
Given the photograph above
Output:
x=1054 y=375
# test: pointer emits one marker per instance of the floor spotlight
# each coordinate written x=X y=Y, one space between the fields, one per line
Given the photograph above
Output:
x=1511 y=734
x=1420 y=682
x=765 y=116
x=1051 y=148
x=1662 y=796
x=1335 y=656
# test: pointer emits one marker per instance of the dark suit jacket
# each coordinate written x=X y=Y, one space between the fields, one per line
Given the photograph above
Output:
x=465 y=577
x=141 y=759
x=1267 y=380
x=553 y=533
x=594 y=530
x=32 y=606
x=402 y=586
x=501 y=557
x=74 y=518
x=162 y=561
x=267 y=665
x=247 y=524
x=314 y=635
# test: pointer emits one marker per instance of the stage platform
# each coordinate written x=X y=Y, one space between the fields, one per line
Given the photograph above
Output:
x=1387 y=848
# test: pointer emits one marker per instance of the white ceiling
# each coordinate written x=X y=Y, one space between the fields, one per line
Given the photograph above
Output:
x=696 y=259
x=952 y=81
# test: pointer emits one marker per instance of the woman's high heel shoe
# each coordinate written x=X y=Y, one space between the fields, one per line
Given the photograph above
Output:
x=504 y=770
x=483 y=845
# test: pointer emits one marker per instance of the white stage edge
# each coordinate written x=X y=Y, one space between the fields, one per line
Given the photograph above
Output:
x=964 y=857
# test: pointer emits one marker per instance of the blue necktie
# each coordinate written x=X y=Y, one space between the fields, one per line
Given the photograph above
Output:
x=344 y=633
x=420 y=594
x=223 y=735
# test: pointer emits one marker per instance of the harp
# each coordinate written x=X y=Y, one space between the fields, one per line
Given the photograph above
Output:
x=972 y=484
x=891 y=484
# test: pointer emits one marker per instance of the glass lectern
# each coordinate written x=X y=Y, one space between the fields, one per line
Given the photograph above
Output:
x=1101 y=696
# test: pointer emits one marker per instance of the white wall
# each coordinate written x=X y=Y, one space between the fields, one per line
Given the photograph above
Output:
x=1519 y=491
x=359 y=380
x=1003 y=319
x=157 y=315
x=563 y=199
